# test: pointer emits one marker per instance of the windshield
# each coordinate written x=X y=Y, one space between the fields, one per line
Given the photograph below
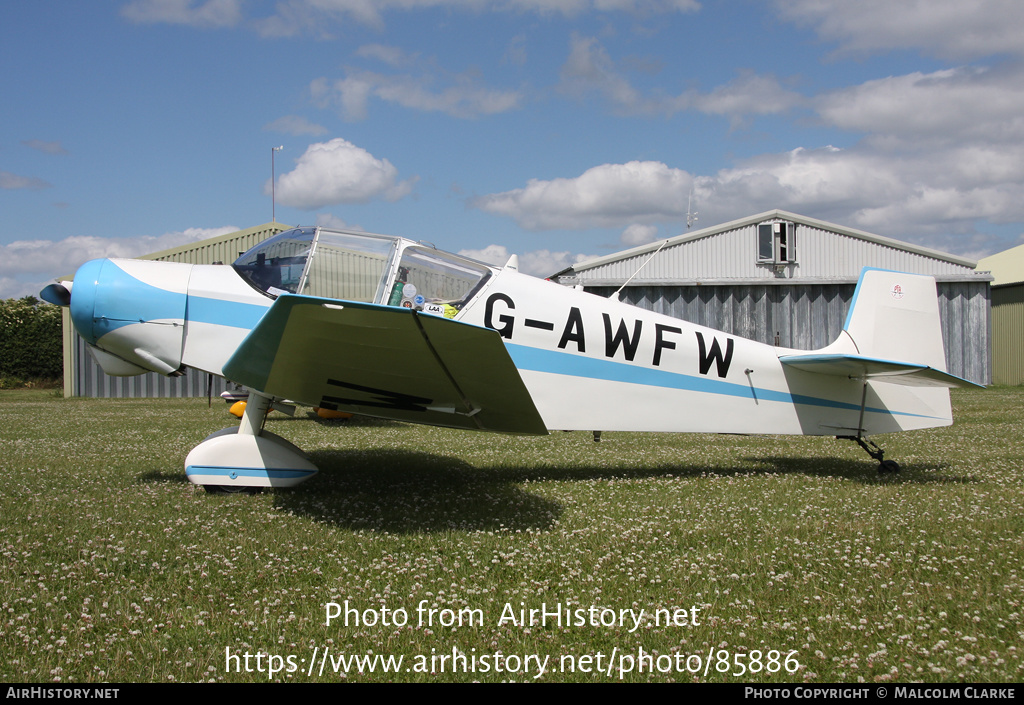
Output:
x=315 y=262
x=362 y=267
x=275 y=266
x=348 y=266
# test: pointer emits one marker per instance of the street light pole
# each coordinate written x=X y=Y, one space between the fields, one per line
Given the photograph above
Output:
x=273 y=185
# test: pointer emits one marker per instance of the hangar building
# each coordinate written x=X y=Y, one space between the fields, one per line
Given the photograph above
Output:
x=786 y=279
x=1007 y=269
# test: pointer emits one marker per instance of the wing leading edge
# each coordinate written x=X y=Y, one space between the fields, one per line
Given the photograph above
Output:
x=385 y=361
x=860 y=366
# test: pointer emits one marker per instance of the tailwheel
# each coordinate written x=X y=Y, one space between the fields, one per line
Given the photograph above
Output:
x=876 y=452
x=870 y=447
x=888 y=466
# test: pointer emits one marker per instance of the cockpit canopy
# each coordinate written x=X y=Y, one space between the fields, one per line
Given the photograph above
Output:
x=362 y=267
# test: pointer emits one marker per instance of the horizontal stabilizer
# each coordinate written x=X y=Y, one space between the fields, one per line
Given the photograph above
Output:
x=385 y=361
x=861 y=366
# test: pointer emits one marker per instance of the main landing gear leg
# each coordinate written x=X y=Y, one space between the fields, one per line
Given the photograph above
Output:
x=247 y=458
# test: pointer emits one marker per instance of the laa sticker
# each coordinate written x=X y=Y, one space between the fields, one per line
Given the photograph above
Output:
x=897 y=291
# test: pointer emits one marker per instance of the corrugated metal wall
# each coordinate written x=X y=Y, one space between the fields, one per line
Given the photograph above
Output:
x=91 y=381
x=966 y=312
x=1007 y=334
x=809 y=317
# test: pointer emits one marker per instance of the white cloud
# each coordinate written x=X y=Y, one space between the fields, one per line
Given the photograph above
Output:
x=26 y=266
x=953 y=105
x=462 y=98
x=292 y=17
x=948 y=28
x=492 y=254
x=637 y=234
x=749 y=94
x=390 y=55
x=329 y=220
x=589 y=69
x=45 y=147
x=936 y=198
x=335 y=172
x=538 y=263
x=941 y=157
x=295 y=125
x=13 y=288
x=824 y=182
x=574 y=7
x=14 y=181
x=209 y=14
x=63 y=257
x=544 y=263
x=925 y=197
x=515 y=52
x=610 y=195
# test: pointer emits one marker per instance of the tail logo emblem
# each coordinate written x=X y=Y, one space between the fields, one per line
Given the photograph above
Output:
x=897 y=291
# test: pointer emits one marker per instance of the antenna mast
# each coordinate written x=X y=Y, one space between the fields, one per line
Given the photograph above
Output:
x=691 y=215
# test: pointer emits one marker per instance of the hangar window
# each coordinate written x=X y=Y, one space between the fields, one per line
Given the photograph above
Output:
x=776 y=243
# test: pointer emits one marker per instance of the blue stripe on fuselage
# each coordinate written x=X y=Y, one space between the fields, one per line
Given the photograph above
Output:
x=561 y=363
x=225 y=313
x=112 y=298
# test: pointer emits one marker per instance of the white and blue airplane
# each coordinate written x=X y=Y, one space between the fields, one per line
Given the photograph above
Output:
x=388 y=327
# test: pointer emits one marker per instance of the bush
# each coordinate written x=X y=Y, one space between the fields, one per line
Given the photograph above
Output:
x=31 y=342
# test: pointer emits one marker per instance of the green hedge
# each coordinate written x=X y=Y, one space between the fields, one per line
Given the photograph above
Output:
x=31 y=343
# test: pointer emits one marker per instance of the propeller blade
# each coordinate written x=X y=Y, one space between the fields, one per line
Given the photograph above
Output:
x=59 y=294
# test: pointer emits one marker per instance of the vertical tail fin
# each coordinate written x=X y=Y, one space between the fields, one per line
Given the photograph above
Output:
x=895 y=316
x=893 y=333
x=892 y=345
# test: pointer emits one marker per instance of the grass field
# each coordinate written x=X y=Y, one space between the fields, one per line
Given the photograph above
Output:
x=797 y=560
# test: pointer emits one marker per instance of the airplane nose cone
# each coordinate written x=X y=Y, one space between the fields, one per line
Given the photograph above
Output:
x=83 y=302
x=134 y=310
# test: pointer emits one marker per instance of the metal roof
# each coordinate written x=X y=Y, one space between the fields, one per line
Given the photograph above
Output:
x=726 y=253
x=1006 y=267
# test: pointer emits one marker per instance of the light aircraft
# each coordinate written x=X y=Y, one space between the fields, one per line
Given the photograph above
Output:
x=389 y=327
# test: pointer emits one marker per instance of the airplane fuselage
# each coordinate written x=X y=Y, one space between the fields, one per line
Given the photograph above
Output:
x=388 y=327
x=588 y=362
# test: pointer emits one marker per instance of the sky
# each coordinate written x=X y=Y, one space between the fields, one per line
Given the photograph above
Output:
x=557 y=130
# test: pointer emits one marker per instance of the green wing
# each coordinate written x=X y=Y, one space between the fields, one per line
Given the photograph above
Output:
x=385 y=361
